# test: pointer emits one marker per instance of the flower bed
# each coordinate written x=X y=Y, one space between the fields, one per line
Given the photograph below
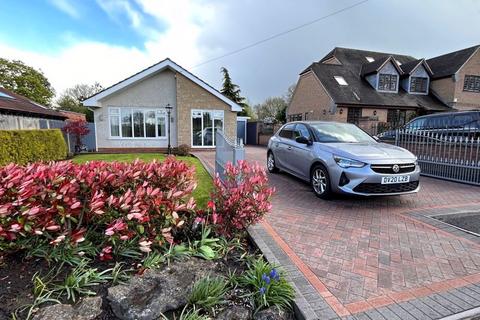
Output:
x=79 y=229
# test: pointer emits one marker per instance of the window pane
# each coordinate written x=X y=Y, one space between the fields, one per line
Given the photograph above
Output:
x=127 y=123
x=115 y=126
x=161 y=121
x=218 y=126
x=138 y=122
x=150 y=124
x=207 y=129
x=197 y=129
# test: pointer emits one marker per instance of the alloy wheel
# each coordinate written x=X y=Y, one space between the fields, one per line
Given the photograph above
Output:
x=319 y=181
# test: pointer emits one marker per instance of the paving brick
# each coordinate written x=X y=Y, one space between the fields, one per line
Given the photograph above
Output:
x=430 y=312
x=375 y=315
x=414 y=311
x=357 y=249
x=400 y=312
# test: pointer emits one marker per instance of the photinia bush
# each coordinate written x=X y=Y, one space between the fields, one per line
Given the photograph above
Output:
x=102 y=202
x=241 y=200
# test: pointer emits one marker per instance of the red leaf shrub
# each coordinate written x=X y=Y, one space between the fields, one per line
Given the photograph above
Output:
x=243 y=199
x=63 y=202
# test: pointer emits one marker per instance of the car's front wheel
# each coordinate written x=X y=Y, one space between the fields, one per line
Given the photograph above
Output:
x=271 y=165
x=320 y=181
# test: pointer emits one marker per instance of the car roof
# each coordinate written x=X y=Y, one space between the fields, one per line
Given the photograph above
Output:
x=442 y=114
x=315 y=122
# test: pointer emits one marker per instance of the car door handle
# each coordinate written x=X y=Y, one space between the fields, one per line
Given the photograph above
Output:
x=289 y=148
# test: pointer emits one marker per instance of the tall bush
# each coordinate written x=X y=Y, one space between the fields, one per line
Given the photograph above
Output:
x=107 y=204
x=241 y=200
x=24 y=146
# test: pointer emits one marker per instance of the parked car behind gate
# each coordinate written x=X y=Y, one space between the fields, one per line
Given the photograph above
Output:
x=340 y=157
x=464 y=123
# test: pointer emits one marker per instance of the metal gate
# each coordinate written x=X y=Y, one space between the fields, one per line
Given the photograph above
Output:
x=226 y=151
x=447 y=154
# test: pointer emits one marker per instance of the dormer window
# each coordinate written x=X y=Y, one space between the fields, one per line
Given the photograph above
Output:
x=418 y=84
x=369 y=59
x=387 y=82
x=341 y=81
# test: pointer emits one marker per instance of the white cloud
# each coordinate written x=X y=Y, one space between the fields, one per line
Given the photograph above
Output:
x=83 y=61
x=67 y=7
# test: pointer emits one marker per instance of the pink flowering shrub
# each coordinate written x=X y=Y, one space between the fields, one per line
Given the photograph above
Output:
x=243 y=199
x=104 y=203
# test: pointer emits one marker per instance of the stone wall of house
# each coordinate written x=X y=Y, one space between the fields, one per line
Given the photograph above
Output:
x=192 y=96
x=154 y=92
x=311 y=98
x=467 y=100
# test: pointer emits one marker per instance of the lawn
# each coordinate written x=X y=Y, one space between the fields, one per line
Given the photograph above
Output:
x=204 y=180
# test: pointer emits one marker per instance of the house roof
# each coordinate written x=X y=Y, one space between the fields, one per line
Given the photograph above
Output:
x=11 y=102
x=158 y=67
x=375 y=66
x=410 y=66
x=448 y=64
x=359 y=91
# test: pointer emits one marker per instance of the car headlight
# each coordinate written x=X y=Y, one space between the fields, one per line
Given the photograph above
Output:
x=348 y=163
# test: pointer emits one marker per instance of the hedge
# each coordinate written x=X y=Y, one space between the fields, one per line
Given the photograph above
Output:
x=24 y=146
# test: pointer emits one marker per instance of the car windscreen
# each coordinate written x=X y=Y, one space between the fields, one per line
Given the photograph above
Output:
x=340 y=132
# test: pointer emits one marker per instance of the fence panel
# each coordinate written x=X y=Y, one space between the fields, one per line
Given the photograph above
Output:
x=452 y=154
x=226 y=151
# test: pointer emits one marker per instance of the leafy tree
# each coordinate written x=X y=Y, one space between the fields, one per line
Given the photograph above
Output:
x=78 y=128
x=289 y=94
x=71 y=99
x=26 y=81
x=233 y=92
x=272 y=108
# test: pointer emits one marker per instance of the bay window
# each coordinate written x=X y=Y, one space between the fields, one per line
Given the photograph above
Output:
x=205 y=124
x=137 y=123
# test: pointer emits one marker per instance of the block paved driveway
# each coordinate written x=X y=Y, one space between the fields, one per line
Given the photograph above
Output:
x=370 y=252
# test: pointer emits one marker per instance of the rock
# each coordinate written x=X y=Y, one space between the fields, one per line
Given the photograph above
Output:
x=234 y=313
x=87 y=309
x=155 y=292
x=272 y=313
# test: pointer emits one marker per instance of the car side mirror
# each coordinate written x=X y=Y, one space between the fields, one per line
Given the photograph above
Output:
x=303 y=140
x=376 y=138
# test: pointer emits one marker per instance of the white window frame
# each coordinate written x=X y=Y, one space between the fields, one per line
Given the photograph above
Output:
x=213 y=126
x=144 y=111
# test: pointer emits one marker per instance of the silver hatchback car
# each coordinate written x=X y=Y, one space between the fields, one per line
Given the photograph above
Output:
x=342 y=158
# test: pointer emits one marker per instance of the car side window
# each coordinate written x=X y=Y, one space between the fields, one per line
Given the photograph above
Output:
x=301 y=130
x=287 y=131
x=417 y=124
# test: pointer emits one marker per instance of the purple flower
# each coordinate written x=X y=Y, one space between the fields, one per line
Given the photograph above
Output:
x=274 y=274
x=266 y=278
x=262 y=290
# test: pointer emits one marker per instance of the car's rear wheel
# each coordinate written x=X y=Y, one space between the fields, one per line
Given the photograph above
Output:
x=320 y=181
x=271 y=165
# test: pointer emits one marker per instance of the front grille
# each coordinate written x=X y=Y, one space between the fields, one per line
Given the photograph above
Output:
x=378 y=188
x=388 y=168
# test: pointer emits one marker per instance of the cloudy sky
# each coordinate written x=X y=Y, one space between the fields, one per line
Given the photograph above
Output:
x=83 y=41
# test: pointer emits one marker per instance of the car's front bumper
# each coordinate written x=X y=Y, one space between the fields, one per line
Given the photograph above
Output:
x=366 y=182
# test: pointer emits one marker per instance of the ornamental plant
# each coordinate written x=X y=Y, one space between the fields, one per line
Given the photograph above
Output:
x=78 y=128
x=107 y=204
x=241 y=200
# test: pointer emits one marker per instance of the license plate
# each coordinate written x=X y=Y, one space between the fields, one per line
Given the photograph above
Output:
x=395 y=179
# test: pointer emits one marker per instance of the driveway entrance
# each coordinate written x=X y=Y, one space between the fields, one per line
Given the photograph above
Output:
x=362 y=254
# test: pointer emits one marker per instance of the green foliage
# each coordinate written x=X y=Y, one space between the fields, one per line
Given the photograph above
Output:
x=193 y=314
x=208 y=292
x=268 y=285
x=26 y=81
x=71 y=99
x=273 y=108
x=24 y=146
x=207 y=247
x=79 y=281
x=233 y=92
x=65 y=252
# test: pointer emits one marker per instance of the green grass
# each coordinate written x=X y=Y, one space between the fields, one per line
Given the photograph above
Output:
x=204 y=180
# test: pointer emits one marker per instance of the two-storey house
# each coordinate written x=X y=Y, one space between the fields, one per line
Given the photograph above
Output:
x=376 y=89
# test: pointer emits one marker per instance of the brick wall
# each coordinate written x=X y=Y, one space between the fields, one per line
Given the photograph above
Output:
x=310 y=97
x=468 y=100
x=191 y=96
